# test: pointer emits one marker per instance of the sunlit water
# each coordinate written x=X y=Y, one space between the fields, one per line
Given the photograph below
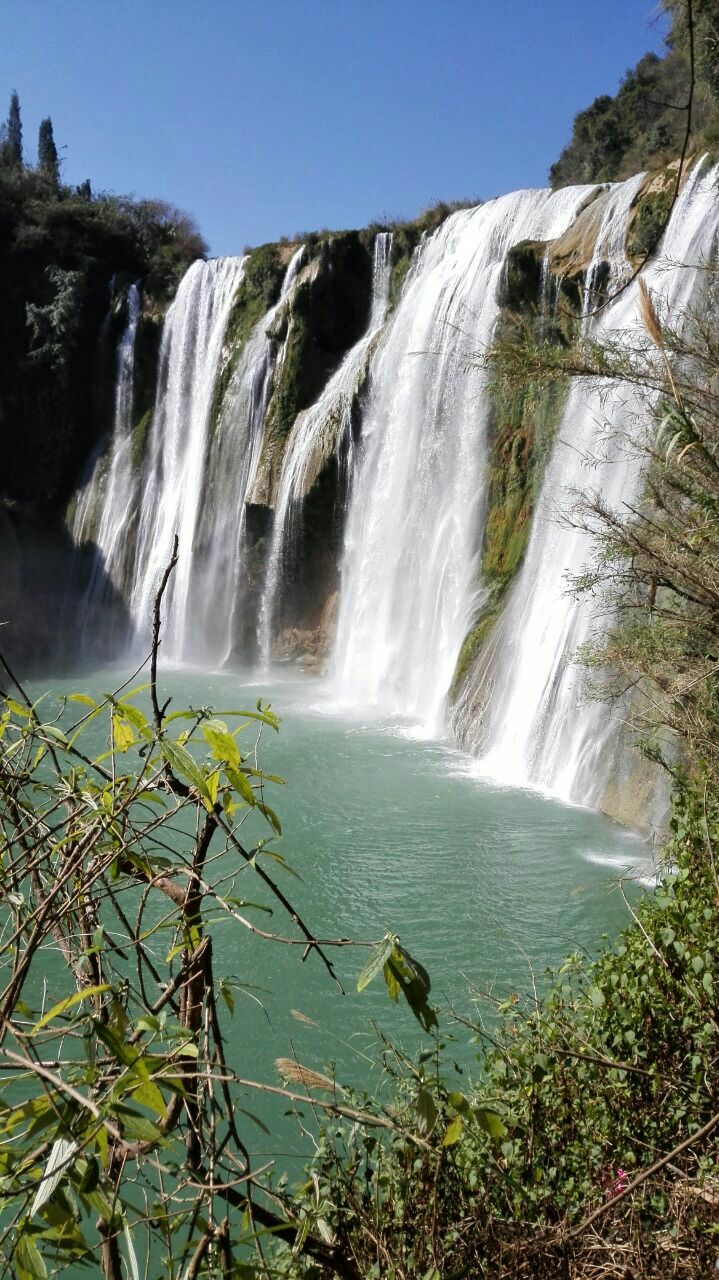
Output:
x=389 y=831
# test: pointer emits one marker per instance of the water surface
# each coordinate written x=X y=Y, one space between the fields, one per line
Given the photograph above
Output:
x=389 y=831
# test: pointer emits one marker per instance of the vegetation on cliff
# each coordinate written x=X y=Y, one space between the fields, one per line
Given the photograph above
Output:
x=644 y=124
x=536 y=307
x=62 y=251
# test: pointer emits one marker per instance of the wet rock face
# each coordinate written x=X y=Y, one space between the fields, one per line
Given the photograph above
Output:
x=42 y=587
x=324 y=316
x=309 y=647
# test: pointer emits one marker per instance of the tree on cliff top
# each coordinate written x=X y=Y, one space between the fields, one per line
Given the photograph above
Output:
x=11 y=152
x=47 y=157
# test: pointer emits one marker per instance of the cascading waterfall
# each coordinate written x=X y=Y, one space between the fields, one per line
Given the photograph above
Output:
x=216 y=591
x=418 y=493
x=536 y=727
x=105 y=506
x=416 y=482
x=609 y=244
x=317 y=432
x=173 y=479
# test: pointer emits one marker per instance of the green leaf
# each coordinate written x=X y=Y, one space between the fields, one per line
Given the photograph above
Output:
x=185 y=767
x=122 y=734
x=149 y=1095
x=28 y=1259
x=264 y=716
x=491 y=1122
x=213 y=784
x=270 y=815
x=58 y=1161
x=239 y=781
x=130 y=1249
x=86 y=994
x=83 y=698
x=139 y=1081
x=404 y=972
x=458 y=1101
x=52 y=731
x=452 y=1132
x=138 y=1128
x=222 y=744
x=134 y=715
x=377 y=960
x=228 y=996
x=427 y=1113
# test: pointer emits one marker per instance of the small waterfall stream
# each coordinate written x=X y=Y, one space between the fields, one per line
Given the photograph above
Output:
x=609 y=244
x=218 y=572
x=307 y=451
x=106 y=505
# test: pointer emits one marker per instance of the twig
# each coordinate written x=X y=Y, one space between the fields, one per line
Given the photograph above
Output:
x=646 y=1173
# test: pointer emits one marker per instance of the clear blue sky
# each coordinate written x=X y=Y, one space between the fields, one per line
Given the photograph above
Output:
x=269 y=117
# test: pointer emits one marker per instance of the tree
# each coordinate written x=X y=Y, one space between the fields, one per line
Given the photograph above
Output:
x=14 y=133
x=47 y=157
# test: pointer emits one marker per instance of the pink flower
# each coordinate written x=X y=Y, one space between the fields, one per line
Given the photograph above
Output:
x=615 y=1184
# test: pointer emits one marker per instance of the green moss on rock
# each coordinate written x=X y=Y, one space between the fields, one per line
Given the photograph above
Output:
x=327 y=314
x=522 y=434
x=147 y=351
x=522 y=428
x=545 y=314
x=138 y=442
x=475 y=641
x=258 y=290
x=649 y=223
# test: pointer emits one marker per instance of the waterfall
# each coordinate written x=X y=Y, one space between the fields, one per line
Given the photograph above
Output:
x=172 y=484
x=217 y=590
x=200 y=462
x=609 y=244
x=414 y=480
x=536 y=727
x=105 y=506
x=316 y=434
x=418 y=490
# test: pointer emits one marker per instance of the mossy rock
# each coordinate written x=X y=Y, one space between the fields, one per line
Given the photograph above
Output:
x=475 y=641
x=258 y=290
x=527 y=307
x=138 y=442
x=522 y=429
x=521 y=283
x=649 y=223
x=328 y=313
x=147 y=351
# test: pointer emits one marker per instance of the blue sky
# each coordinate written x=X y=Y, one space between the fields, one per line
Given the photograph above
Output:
x=271 y=117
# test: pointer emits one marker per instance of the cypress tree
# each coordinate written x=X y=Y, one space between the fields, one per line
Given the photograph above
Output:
x=47 y=152
x=14 y=132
